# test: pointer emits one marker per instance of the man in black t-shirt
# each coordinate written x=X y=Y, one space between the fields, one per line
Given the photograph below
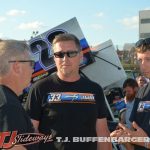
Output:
x=66 y=105
x=141 y=109
x=15 y=74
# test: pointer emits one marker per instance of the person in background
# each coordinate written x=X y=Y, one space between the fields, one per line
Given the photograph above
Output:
x=16 y=68
x=140 y=115
x=130 y=88
x=141 y=80
x=67 y=105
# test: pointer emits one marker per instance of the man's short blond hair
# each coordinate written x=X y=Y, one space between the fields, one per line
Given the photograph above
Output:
x=66 y=37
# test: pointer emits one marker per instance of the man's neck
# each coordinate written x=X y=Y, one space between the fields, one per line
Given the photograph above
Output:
x=69 y=78
x=10 y=84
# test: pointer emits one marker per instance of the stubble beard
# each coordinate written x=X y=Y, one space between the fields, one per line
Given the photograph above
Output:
x=65 y=72
x=130 y=97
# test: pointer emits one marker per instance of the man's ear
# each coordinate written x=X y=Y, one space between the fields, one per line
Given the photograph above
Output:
x=81 y=56
x=16 y=67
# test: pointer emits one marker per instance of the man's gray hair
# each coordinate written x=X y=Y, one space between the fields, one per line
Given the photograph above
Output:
x=10 y=50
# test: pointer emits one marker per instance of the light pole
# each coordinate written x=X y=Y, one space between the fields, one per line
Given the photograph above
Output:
x=34 y=34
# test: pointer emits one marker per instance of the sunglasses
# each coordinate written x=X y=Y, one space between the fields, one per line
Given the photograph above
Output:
x=142 y=42
x=32 y=62
x=69 y=54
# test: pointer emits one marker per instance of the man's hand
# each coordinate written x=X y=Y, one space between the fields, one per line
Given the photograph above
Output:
x=137 y=132
x=126 y=132
x=121 y=133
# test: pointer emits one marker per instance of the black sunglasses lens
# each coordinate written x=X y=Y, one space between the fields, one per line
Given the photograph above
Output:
x=59 y=55
x=72 y=54
x=69 y=54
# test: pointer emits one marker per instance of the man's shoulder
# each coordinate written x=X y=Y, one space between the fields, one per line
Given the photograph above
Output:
x=7 y=96
x=45 y=80
x=3 y=99
x=142 y=92
x=91 y=83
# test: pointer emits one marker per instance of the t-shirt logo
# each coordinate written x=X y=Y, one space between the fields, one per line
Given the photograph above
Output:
x=144 y=106
x=70 y=97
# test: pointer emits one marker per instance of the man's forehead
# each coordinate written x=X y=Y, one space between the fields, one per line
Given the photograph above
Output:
x=145 y=54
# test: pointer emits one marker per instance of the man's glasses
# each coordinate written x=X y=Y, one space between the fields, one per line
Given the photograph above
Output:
x=32 y=62
x=69 y=54
x=142 y=42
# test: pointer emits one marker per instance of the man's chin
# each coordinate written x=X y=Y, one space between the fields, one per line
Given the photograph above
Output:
x=130 y=98
x=66 y=73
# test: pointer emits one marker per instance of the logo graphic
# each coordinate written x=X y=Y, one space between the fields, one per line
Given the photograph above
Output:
x=10 y=139
x=7 y=135
x=144 y=106
x=70 y=97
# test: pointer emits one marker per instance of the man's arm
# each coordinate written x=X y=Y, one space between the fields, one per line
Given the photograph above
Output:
x=35 y=125
x=102 y=131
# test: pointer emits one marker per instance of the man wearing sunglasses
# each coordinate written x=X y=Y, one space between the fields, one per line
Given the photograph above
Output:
x=66 y=105
x=16 y=68
x=140 y=115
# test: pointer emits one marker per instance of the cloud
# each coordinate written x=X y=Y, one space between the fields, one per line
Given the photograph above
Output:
x=2 y=19
x=96 y=26
x=100 y=14
x=130 y=22
x=31 y=25
x=1 y=35
x=15 y=12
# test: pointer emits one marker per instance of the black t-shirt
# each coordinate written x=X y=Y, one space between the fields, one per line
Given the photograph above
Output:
x=12 y=115
x=141 y=111
x=67 y=109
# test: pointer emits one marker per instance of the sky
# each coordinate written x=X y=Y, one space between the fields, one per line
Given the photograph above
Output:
x=100 y=20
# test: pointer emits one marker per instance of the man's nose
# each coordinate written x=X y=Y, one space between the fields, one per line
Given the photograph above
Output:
x=65 y=57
